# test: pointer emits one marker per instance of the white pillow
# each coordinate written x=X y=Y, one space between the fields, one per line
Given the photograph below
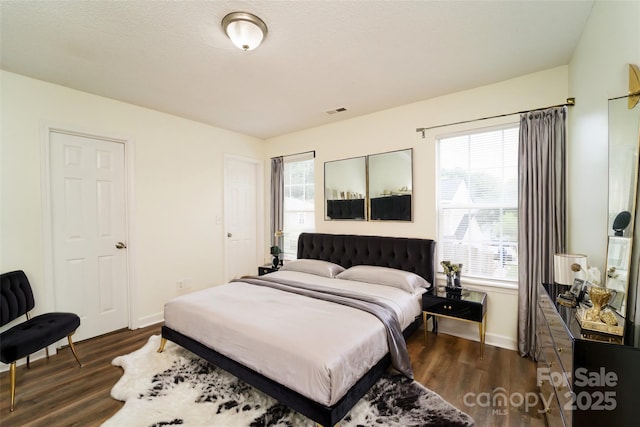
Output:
x=401 y=279
x=313 y=266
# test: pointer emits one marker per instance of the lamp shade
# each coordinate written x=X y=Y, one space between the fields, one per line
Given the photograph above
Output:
x=562 y=272
x=245 y=30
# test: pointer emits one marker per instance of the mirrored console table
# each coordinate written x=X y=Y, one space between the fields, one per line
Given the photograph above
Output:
x=585 y=378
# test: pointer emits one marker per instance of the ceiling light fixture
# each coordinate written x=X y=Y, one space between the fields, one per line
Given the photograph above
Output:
x=244 y=29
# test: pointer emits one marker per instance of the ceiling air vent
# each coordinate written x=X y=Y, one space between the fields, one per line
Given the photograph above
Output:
x=337 y=110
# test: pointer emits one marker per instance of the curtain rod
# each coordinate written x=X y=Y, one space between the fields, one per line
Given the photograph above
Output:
x=624 y=96
x=570 y=102
x=297 y=154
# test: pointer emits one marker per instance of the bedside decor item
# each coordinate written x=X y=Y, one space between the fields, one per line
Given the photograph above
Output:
x=452 y=272
x=275 y=252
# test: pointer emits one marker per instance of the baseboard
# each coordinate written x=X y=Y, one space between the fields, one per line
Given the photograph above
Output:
x=470 y=331
x=143 y=322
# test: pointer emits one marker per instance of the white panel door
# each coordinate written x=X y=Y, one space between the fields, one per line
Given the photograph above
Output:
x=89 y=231
x=241 y=217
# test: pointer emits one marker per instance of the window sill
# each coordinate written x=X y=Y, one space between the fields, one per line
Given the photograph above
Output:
x=482 y=284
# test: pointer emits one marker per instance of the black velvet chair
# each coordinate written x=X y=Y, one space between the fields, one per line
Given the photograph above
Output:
x=36 y=333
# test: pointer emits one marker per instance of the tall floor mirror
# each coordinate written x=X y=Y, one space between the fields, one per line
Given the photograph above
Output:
x=623 y=246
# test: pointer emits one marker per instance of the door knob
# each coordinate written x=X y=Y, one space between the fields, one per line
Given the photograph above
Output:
x=121 y=245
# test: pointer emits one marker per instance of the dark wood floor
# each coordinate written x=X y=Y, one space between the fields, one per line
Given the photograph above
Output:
x=56 y=392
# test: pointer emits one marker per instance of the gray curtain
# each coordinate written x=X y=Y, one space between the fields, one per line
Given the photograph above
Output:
x=277 y=197
x=541 y=212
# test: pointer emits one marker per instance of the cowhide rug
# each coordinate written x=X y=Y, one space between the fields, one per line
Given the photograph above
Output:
x=177 y=387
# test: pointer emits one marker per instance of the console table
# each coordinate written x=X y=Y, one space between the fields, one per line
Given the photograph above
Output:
x=585 y=378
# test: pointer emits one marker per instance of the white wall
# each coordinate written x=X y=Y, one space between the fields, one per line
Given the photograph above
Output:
x=178 y=181
x=395 y=129
x=598 y=71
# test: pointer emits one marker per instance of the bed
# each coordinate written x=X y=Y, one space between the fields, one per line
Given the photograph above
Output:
x=300 y=350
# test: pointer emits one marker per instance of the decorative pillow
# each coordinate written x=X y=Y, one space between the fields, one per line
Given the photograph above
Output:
x=401 y=279
x=313 y=266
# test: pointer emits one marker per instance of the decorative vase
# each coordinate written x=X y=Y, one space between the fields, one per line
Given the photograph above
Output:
x=449 y=281
x=456 y=280
x=599 y=298
x=276 y=261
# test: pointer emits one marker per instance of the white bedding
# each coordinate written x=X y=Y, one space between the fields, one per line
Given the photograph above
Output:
x=317 y=348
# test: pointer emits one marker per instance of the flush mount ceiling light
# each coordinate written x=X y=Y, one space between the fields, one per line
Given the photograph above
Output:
x=244 y=29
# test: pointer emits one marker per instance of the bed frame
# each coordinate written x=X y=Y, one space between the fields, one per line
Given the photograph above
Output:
x=415 y=255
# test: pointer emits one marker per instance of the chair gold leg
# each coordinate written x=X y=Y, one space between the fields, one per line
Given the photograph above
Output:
x=73 y=348
x=12 y=376
x=163 y=342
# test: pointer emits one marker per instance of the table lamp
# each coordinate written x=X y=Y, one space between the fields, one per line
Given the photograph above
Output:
x=562 y=272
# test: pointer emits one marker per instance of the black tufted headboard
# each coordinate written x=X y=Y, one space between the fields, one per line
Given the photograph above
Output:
x=16 y=296
x=409 y=254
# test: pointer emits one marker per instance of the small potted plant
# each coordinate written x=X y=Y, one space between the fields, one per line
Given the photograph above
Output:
x=452 y=271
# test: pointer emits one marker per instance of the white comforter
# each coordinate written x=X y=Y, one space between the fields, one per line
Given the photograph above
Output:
x=317 y=348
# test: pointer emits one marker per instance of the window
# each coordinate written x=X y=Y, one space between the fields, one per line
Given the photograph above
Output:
x=299 y=201
x=478 y=202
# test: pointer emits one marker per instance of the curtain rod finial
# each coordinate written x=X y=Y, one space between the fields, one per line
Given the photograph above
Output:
x=571 y=101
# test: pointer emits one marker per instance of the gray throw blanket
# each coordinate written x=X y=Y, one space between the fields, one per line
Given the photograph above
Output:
x=395 y=339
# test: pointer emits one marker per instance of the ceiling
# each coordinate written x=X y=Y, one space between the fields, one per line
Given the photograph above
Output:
x=364 y=55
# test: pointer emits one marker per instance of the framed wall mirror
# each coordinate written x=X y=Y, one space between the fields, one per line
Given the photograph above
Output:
x=390 y=185
x=624 y=144
x=345 y=189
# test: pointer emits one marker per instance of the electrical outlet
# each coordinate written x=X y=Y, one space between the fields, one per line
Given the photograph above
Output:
x=183 y=285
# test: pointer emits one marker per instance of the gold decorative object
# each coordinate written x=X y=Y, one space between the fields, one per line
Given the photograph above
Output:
x=608 y=317
x=599 y=297
x=596 y=319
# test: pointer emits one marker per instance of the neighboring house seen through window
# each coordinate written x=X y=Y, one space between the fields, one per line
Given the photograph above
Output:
x=478 y=202
x=299 y=204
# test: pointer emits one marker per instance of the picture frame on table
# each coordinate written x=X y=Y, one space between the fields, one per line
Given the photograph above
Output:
x=578 y=289
x=585 y=299
x=616 y=300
